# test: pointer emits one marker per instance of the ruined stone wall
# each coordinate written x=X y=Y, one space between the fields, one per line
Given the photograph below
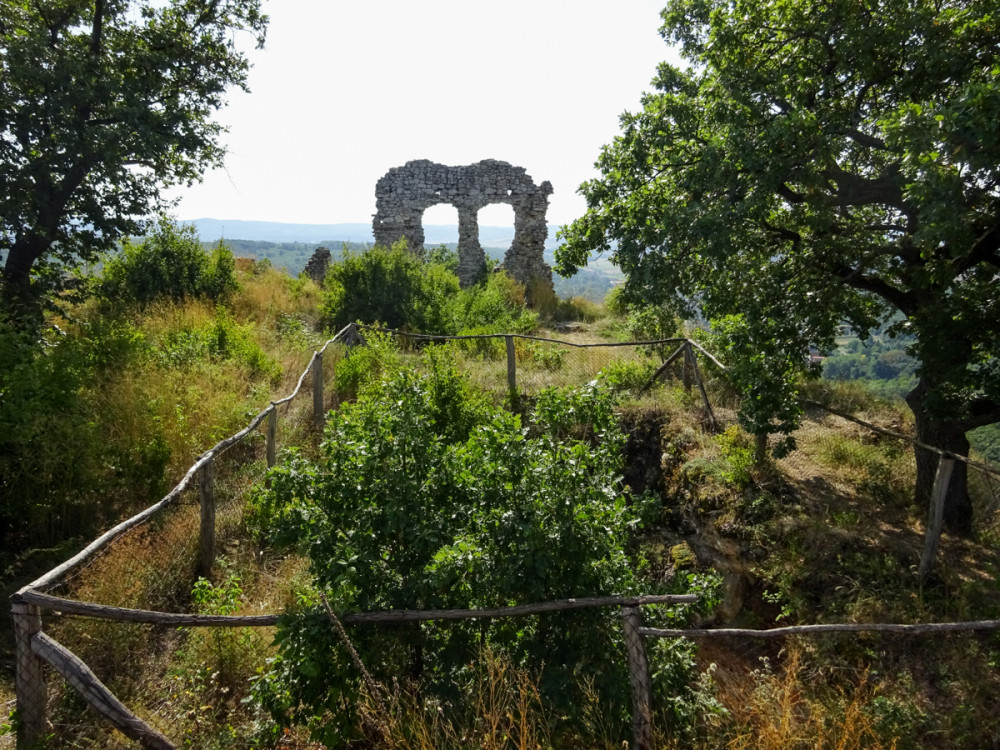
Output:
x=404 y=193
x=318 y=264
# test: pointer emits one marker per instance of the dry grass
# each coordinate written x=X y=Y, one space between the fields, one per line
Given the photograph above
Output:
x=504 y=712
x=785 y=709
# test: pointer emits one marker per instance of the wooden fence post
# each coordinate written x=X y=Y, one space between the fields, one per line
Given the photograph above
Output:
x=272 y=448
x=687 y=371
x=317 y=375
x=207 y=492
x=32 y=693
x=936 y=516
x=689 y=356
x=638 y=672
x=511 y=370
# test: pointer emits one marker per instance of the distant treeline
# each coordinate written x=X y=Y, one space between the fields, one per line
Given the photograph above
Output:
x=885 y=367
x=881 y=360
x=292 y=256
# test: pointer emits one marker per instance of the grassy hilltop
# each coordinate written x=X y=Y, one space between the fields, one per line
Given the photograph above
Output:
x=431 y=487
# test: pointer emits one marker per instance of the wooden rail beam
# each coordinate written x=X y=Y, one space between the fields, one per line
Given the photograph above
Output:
x=96 y=694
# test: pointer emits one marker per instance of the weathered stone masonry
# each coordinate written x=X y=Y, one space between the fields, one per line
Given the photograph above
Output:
x=404 y=193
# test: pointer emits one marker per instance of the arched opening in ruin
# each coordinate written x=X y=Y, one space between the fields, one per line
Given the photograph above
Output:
x=496 y=229
x=441 y=226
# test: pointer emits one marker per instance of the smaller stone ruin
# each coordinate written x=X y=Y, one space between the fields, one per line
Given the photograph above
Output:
x=316 y=267
x=404 y=193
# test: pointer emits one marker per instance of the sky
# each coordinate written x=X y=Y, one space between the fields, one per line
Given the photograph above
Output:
x=344 y=91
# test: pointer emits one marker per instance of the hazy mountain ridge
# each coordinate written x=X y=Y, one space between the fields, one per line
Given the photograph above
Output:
x=274 y=231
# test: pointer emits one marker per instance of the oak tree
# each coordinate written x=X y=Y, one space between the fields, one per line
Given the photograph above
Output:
x=819 y=162
x=103 y=103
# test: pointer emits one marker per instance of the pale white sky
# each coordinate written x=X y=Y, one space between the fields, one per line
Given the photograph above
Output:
x=343 y=91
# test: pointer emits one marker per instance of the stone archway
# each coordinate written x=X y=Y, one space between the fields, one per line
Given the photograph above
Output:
x=404 y=193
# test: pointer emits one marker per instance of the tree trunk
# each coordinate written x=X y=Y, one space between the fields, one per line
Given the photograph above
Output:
x=17 y=299
x=948 y=436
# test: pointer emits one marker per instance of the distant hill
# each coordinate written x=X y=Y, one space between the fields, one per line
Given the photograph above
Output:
x=273 y=231
x=211 y=230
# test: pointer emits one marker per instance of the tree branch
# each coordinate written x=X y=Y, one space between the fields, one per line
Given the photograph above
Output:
x=854 y=278
x=853 y=190
x=865 y=140
x=986 y=249
x=98 y=29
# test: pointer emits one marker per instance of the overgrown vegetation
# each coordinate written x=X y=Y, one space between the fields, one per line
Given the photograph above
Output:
x=122 y=391
x=428 y=496
x=395 y=288
x=426 y=492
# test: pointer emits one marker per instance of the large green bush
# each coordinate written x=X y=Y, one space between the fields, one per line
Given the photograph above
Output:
x=170 y=263
x=391 y=286
x=494 y=305
x=52 y=457
x=401 y=290
x=429 y=496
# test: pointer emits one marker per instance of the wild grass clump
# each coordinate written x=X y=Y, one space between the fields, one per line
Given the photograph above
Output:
x=101 y=415
x=783 y=709
x=502 y=709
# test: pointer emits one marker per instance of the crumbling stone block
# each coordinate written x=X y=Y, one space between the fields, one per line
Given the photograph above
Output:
x=316 y=266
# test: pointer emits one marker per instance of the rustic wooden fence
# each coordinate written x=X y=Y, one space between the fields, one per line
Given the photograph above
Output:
x=685 y=351
x=37 y=650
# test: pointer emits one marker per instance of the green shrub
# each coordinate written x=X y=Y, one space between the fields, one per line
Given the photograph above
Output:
x=53 y=456
x=428 y=496
x=391 y=286
x=643 y=322
x=738 y=450
x=495 y=305
x=365 y=364
x=170 y=263
x=627 y=374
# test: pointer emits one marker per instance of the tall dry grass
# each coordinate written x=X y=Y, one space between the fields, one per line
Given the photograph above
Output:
x=785 y=708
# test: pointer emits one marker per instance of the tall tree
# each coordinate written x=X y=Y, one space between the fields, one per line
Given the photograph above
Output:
x=821 y=161
x=102 y=104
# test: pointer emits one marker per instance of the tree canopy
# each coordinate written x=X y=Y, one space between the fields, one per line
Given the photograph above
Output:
x=819 y=162
x=102 y=104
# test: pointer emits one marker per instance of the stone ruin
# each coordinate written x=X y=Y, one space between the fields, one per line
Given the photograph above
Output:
x=316 y=266
x=404 y=193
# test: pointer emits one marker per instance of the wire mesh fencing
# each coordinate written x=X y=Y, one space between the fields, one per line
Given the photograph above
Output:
x=867 y=453
x=156 y=561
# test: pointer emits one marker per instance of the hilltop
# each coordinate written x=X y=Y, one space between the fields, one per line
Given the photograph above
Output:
x=827 y=533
